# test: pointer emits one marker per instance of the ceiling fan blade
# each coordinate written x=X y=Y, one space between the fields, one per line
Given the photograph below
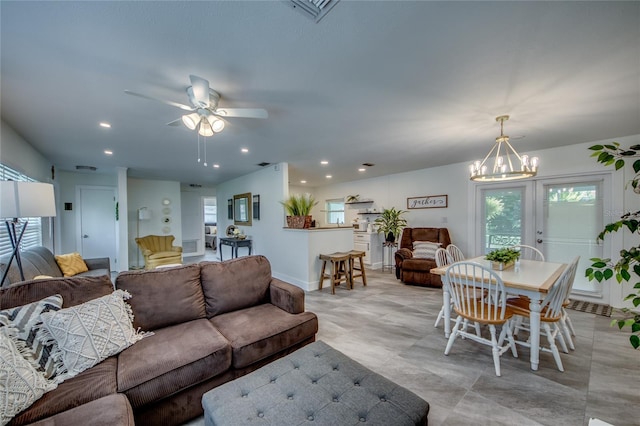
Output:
x=174 y=104
x=200 y=88
x=242 y=112
x=175 y=123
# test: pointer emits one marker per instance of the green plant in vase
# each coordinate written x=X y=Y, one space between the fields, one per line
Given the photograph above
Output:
x=298 y=208
x=502 y=258
x=391 y=223
x=627 y=268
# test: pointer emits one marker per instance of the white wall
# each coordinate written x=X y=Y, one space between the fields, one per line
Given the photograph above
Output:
x=150 y=194
x=18 y=154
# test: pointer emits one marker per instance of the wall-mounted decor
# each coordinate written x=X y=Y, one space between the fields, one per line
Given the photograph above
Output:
x=428 y=202
x=166 y=201
x=256 y=207
x=230 y=209
x=242 y=209
x=166 y=219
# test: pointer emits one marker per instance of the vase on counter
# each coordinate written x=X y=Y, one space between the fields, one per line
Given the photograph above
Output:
x=299 y=222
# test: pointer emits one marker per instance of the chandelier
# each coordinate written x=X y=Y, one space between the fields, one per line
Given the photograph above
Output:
x=504 y=156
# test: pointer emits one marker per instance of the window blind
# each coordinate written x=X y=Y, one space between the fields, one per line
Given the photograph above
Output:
x=33 y=234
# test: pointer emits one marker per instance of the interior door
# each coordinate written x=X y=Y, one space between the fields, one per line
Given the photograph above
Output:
x=569 y=217
x=96 y=226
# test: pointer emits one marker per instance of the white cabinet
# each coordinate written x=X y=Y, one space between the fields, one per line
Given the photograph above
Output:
x=371 y=245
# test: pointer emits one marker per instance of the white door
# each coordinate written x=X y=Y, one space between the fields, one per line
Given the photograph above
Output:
x=569 y=217
x=96 y=224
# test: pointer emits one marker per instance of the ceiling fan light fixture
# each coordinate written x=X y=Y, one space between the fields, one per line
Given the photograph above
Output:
x=504 y=156
x=191 y=120
x=205 y=129
x=217 y=125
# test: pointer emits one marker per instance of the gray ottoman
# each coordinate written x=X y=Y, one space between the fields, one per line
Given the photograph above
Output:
x=316 y=385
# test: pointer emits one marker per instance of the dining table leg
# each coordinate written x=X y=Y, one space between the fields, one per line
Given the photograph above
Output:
x=446 y=305
x=534 y=323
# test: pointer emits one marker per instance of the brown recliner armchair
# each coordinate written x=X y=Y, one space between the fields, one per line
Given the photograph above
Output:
x=159 y=250
x=416 y=271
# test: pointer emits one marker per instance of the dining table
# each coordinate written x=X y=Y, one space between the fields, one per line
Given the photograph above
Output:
x=529 y=278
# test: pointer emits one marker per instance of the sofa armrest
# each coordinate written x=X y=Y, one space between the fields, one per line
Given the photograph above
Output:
x=402 y=254
x=286 y=296
x=98 y=263
x=176 y=249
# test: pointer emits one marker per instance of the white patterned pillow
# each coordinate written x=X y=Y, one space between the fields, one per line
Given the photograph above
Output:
x=26 y=322
x=20 y=383
x=425 y=249
x=89 y=333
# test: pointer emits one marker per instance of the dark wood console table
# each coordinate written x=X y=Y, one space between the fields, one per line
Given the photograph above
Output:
x=234 y=243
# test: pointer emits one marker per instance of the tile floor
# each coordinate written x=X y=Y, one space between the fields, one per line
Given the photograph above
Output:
x=388 y=327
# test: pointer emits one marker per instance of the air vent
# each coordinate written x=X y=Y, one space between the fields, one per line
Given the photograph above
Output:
x=314 y=9
x=90 y=168
x=264 y=164
x=368 y=164
x=195 y=185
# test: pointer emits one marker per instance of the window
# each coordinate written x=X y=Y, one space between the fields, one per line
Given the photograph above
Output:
x=335 y=210
x=33 y=234
x=502 y=218
x=210 y=211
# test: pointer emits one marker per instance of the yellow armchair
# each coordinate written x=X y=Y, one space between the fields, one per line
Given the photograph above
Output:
x=159 y=250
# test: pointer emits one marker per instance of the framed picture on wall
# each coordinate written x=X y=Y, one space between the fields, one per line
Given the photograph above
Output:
x=230 y=209
x=256 y=207
x=428 y=202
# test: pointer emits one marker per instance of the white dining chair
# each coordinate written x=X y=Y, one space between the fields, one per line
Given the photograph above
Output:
x=478 y=295
x=550 y=314
x=455 y=253
x=442 y=259
x=529 y=252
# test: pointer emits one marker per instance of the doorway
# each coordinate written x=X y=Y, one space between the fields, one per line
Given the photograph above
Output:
x=561 y=217
x=96 y=222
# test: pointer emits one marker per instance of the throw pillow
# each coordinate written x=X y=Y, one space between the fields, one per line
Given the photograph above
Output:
x=425 y=249
x=71 y=264
x=20 y=384
x=89 y=333
x=26 y=322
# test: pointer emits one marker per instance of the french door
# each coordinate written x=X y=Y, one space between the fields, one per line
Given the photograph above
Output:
x=561 y=217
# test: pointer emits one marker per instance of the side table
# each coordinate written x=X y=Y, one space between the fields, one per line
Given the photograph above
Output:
x=234 y=243
x=388 y=249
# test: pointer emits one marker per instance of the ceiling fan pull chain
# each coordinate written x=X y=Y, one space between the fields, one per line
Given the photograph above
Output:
x=204 y=143
x=198 y=135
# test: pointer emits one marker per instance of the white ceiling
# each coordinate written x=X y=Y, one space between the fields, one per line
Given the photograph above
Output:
x=403 y=85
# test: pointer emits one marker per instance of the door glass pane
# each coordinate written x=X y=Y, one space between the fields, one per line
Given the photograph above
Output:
x=572 y=220
x=503 y=218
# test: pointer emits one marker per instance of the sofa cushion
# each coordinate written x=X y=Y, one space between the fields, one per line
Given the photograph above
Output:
x=111 y=410
x=174 y=358
x=425 y=265
x=88 y=333
x=26 y=322
x=87 y=386
x=35 y=261
x=21 y=384
x=71 y=264
x=74 y=290
x=235 y=284
x=163 y=297
x=261 y=331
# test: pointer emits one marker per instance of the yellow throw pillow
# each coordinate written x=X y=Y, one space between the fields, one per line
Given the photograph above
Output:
x=71 y=264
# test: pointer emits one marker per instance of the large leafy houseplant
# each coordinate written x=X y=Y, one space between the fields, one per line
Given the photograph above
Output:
x=391 y=223
x=627 y=268
x=298 y=208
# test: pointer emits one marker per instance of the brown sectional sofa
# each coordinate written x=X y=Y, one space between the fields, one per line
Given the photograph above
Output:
x=212 y=322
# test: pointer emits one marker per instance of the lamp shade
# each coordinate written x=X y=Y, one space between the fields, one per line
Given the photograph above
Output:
x=26 y=199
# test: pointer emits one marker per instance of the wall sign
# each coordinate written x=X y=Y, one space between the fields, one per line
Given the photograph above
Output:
x=428 y=202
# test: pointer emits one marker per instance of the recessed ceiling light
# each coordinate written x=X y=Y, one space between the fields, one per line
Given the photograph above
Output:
x=303 y=181
x=328 y=176
x=216 y=166
x=324 y=162
x=245 y=150
x=361 y=169
x=108 y=152
x=105 y=125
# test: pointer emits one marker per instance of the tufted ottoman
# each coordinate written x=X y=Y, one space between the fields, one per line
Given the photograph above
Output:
x=316 y=385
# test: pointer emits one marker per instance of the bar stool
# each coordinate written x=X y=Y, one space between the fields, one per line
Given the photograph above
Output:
x=353 y=255
x=339 y=270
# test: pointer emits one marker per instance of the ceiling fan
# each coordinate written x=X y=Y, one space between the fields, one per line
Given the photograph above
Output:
x=205 y=114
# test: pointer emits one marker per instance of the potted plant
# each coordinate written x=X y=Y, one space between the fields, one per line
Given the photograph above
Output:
x=627 y=267
x=503 y=258
x=298 y=209
x=391 y=223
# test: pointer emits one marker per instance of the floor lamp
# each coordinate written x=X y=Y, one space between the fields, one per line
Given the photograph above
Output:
x=143 y=214
x=23 y=200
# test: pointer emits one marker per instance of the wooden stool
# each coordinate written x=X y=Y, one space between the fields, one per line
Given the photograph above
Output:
x=339 y=270
x=357 y=254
